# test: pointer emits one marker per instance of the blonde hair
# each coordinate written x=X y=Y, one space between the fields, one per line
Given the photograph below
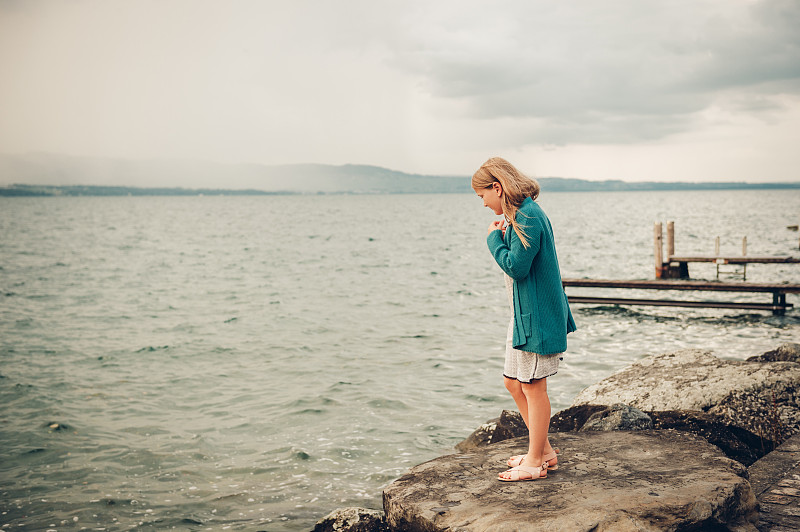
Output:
x=516 y=187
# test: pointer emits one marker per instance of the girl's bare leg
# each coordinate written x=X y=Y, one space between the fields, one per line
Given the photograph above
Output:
x=538 y=421
x=514 y=387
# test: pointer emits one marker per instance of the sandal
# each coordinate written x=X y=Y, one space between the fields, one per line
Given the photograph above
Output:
x=514 y=461
x=549 y=458
x=535 y=473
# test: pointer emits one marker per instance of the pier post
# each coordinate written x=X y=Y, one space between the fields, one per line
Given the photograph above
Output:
x=658 y=237
x=744 y=252
x=670 y=239
x=670 y=269
x=779 y=300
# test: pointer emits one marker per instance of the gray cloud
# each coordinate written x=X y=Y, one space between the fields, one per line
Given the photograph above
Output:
x=617 y=71
x=416 y=85
x=758 y=50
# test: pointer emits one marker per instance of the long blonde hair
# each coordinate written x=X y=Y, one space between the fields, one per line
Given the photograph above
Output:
x=516 y=187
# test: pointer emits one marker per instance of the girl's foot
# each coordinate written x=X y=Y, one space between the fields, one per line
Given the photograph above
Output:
x=551 y=459
x=521 y=473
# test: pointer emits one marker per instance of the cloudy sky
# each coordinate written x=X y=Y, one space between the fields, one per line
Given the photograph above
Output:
x=616 y=89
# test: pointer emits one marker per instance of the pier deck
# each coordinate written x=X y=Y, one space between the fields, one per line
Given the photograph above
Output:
x=734 y=259
x=778 y=291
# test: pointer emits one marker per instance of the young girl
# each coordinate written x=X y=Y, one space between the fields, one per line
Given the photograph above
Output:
x=537 y=335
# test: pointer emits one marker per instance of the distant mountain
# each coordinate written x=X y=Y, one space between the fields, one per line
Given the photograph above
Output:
x=61 y=171
x=50 y=174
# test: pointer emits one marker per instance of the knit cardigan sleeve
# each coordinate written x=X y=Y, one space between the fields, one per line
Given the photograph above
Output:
x=509 y=253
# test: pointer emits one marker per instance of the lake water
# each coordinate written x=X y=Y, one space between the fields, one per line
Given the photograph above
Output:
x=252 y=363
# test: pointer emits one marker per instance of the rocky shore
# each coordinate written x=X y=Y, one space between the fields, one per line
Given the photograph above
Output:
x=675 y=441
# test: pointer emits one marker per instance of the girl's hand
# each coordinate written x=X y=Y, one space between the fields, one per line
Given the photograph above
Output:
x=498 y=224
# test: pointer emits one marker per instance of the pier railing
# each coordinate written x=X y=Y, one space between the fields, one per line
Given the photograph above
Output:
x=674 y=266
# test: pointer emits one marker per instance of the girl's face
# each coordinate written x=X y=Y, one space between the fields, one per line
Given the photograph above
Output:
x=491 y=197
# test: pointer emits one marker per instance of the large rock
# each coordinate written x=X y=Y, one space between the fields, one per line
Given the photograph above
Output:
x=618 y=417
x=509 y=425
x=761 y=397
x=784 y=353
x=352 y=519
x=736 y=442
x=606 y=481
x=600 y=417
x=776 y=484
x=575 y=417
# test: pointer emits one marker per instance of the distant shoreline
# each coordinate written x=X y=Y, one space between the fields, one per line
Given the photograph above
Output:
x=548 y=184
x=43 y=174
x=99 y=190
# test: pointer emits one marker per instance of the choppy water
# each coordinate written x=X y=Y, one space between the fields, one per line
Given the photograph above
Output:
x=252 y=363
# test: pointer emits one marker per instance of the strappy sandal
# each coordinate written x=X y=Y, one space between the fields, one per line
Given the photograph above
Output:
x=514 y=461
x=549 y=458
x=534 y=472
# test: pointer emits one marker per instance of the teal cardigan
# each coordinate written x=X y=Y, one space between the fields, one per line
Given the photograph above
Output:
x=542 y=318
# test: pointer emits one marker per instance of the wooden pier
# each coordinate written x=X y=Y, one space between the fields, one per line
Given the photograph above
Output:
x=673 y=274
x=778 y=291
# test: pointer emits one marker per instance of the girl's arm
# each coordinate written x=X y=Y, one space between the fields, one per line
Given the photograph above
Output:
x=513 y=258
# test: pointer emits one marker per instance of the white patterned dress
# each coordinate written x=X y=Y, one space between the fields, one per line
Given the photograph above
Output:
x=525 y=366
